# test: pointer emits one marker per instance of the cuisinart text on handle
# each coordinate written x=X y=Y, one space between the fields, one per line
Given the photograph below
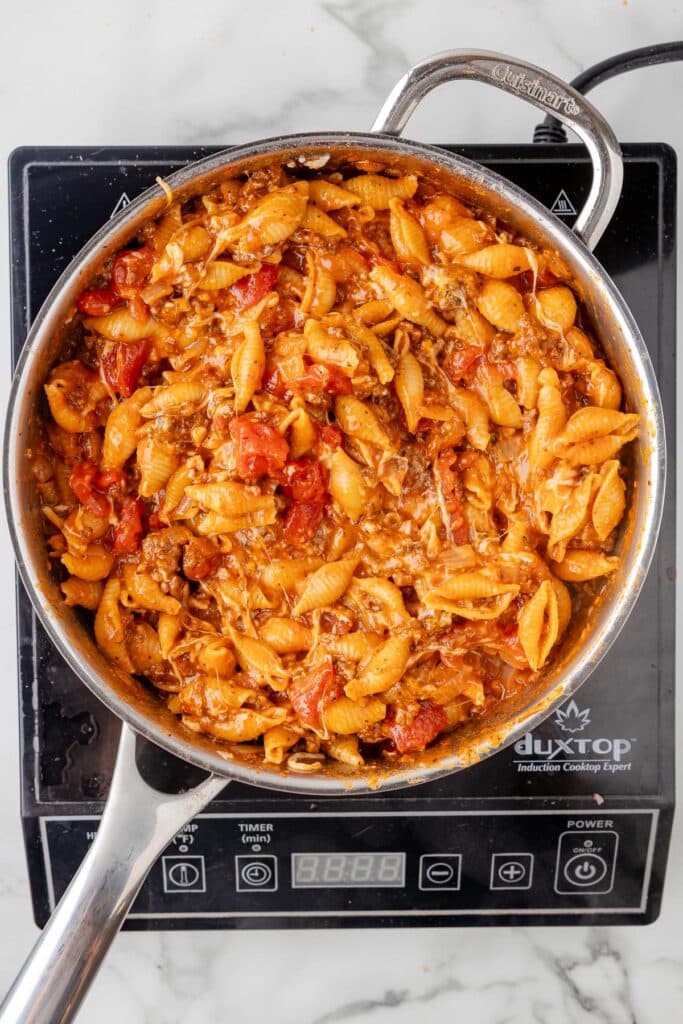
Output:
x=534 y=88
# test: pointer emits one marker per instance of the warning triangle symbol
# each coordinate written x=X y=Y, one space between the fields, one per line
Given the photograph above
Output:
x=563 y=206
x=122 y=202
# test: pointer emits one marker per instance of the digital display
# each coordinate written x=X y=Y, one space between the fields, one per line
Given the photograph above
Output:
x=348 y=870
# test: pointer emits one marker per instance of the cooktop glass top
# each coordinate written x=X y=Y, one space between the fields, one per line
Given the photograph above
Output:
x=611 y=747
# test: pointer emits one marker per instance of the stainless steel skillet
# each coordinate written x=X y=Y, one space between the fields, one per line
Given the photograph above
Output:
x=139 y=822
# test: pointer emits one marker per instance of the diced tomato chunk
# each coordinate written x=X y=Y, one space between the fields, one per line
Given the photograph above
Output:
x=311 y=695
x=273 y=383
x=301 y=522
x=121 y=364
x=447 y=468
x=305 y=480
x=97 y=301
x=328 y=436
x=544 y=279
x=200 y=556
x=110 y=478
x=426 y=726
x=461 y=361
x=259 y=448
x=251 y=289
x=83 y=482
x=321 y=377
x=130 y=529
x=130 y=270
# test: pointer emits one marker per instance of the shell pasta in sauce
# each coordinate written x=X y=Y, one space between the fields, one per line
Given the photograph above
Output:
x=329 y=458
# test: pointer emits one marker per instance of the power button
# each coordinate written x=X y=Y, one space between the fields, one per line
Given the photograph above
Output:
x=586 y=863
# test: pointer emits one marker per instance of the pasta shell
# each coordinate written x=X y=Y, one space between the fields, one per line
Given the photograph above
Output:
x=284 y=574
x=248 y=365
x=94 y=564
x=592 y=422
x=472 y=328
x=324 y=346
x=302 y=434
x=539 y=625
x=257 y=657
x=223 y=274
x=181 y=398
x=156 y=462
x=326 y=585
x=386 y=666
x=121 y=326
x=120 y=432
x=609 y=502
x=84 y=593
x=195 y=242
x=603 y=387
x=109 y=632
x=465 y=235
x=320 y=292
x=374 y=350
x=375 y=190
x=408 y=298
x=556 y=308
x=276 y=743
x=346 y=484
x=346 y=717
x=409 y=385
x=272 y=220
x=578 y=566
x=286 y=636
x=475 y=415
x=501 y=305
x=242 y=726
x=571 y=518
x=497 y=261
x=358 y=420
x=351 y=646
x=345 y=749
x=564 y=605
x=552 y=417
x=317 y=221
x=378 y=603
x=328 y=196
x=407 y=237
x=168 y=630
x=139 y=590
x=503 y=409
x=229 y=498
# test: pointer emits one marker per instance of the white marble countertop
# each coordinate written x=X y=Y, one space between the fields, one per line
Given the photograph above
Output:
x=128 y=72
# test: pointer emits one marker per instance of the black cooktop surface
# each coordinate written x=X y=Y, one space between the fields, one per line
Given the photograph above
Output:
x=570 y=824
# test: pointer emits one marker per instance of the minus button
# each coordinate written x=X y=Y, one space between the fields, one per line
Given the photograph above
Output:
x=440 y=871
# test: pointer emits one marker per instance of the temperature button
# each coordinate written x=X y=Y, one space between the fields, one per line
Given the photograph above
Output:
x=586 y=863
x=440 y=871
x=256 y=874
x=184 y=874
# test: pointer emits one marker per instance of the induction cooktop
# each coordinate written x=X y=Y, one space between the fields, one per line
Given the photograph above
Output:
x=569 y=825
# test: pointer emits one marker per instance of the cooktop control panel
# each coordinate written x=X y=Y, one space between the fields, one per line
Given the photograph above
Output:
x=394 y=865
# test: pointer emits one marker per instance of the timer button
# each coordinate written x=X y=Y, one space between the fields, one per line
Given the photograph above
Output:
x=586 y=863
x=256 y=874
x=440 y=871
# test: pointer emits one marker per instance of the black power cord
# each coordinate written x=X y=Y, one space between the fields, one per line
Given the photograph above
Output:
x=551 y=130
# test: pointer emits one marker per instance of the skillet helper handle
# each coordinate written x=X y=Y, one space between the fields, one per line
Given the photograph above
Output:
x=537 y=87
x=137 y=824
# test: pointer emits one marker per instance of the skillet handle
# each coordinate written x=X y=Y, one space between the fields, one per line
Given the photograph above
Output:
x=538 y=87
x=137 y=824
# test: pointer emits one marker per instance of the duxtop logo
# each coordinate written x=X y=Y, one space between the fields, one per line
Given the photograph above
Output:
x=570 y=719
x=572 y=753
